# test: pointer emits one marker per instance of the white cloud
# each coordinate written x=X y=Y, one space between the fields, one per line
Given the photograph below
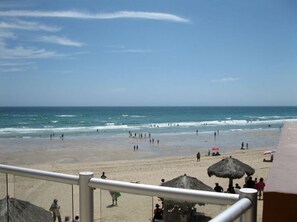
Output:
x=25 y=25
x=86 y=15
x=226 y=79
x=17 y=64
x=21 y=52
x=60 y=41
x=12 y=70
x=6 y=35
x=9 y=67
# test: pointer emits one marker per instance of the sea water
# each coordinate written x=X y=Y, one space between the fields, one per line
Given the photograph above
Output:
x=262 y=125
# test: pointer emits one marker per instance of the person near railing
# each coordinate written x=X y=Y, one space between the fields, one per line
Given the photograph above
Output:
x=260 y=187
x=55 y=209
x=158 y=213
x=218 y=188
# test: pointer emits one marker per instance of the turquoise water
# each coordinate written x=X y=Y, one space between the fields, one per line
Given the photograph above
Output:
x=40 y=122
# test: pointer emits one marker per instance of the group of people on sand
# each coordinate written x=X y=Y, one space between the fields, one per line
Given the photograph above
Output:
x=139 y=135
x=258 y=185
x=246 y=147
x=53 y=135
x=143 y=135
x=198 y=155
x=249 y=183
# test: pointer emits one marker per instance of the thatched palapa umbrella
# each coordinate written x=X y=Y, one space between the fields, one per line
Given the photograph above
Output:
x=184 y=182
x=23 y=211
x=187 y=182
x=230 y=168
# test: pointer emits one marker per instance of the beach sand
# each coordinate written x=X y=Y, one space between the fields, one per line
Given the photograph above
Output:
x=141 y=166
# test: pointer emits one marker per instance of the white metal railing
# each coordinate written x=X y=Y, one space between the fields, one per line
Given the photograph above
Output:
x=244 y=205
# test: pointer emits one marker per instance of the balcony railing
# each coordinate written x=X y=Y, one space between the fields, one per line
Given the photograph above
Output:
x=243 y=205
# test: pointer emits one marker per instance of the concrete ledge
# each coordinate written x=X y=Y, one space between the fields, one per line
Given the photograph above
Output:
x=280 y=194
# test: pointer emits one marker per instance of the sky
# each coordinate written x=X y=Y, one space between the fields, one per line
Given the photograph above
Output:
x=148 y=53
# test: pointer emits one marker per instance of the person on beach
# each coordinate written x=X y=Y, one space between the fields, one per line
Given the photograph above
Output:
x=114 y=196
x=198 y=156
x=230 y=189
x=260 y=187
x=55 y=209
x=103 y=175
x=237 y=188
x=242 y=146
x=158 y=213
x=250 y=183
x=218 y=188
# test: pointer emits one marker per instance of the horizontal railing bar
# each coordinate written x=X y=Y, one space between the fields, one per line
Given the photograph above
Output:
x=165 y=192
x=40 y=174
x=234 y=211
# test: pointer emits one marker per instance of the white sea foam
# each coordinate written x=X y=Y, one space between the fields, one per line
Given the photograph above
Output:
x=133 y=116
x=217 y=123
x=65 y=116
x=112 y=126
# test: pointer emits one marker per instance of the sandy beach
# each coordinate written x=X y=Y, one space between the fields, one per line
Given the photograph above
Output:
x=140 y=166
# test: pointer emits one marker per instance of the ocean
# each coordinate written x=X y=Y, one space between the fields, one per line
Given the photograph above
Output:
x=181 y=131
x=34 y=122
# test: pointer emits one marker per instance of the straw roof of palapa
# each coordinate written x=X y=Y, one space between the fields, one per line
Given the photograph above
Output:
x=23 y=211
x=187 y=182
x=230 y=168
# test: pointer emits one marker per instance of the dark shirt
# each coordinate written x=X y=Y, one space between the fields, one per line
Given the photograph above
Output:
x=250 y=184
x=218 y=189
x=158 y=214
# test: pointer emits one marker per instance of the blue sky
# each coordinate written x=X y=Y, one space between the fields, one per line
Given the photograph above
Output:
x=148 y=53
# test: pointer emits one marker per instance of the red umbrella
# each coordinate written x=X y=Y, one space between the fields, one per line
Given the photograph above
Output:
x=215 y=148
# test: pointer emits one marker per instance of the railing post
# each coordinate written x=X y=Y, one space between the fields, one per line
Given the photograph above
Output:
x=7 y=199
x=86 y=197
x=251 y=214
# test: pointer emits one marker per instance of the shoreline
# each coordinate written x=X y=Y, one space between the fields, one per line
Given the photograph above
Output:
x=86 y=149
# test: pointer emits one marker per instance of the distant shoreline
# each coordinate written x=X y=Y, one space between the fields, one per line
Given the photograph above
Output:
x=119 y=148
